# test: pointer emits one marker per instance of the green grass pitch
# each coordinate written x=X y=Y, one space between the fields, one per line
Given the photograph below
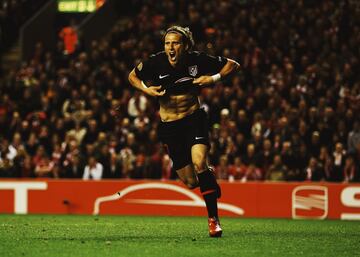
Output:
x=61 y=235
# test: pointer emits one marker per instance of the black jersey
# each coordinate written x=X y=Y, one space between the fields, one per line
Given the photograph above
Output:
x=178 y=80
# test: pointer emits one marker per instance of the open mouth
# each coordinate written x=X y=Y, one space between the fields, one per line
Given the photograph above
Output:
x=172 y=56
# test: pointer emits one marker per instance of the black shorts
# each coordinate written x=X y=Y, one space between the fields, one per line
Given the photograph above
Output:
x=181 y=135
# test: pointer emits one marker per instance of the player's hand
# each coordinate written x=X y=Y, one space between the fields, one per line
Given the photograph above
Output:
x=203 y=80
x=154 y=91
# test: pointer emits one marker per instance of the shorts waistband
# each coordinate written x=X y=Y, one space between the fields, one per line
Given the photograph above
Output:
x=184 y=120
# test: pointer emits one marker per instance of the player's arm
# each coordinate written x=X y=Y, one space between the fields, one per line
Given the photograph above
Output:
x=230 y=67
x=136 y=82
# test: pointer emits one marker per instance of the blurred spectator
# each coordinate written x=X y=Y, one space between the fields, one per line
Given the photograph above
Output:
x=69 y=36
x=339 y=156
x=32 y=144
x=7 y=169
x=44 y=167
x=141 y=165
x=265 y=155
x=238 y=170
x=350 y=169
x=91 y=134
x=250 y=157
x=313 y=171
x=277 y=171
x=357 y=163
x=289 y=160
x=314 y=145
x=78 y=132
x=128 y=157
x=7 y=151
x=354 y=137
x=70 y=158
x=23 y=163
x=252 y=173
x=325 y=161
x=75 y=168
x=222 y=170
x=93 y=169
x=137 y=104
x=115 y=167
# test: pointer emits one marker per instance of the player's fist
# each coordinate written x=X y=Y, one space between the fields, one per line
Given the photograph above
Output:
x=203 y=80
x=154 y=91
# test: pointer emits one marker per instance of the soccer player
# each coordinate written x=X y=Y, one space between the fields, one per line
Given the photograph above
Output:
x=176 y=76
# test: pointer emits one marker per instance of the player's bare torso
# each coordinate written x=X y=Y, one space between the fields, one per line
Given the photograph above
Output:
x=175 y=107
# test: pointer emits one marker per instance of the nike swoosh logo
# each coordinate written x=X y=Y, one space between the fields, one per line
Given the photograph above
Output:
x=198 y=138
x=163 y=76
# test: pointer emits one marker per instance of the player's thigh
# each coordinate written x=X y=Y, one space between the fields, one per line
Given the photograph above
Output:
x=199 y=156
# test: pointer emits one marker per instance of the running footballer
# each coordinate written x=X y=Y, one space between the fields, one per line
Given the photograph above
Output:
x=176 y=76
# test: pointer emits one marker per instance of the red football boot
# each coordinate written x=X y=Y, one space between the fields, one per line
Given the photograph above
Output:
x=214 y=227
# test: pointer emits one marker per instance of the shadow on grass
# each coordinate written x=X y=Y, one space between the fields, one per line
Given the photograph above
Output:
x=124 y=238
x=295 y=234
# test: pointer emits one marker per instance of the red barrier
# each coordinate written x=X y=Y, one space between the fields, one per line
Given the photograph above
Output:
x=146 y=197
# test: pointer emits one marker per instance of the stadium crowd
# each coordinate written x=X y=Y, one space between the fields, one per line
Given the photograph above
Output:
x=292 y=114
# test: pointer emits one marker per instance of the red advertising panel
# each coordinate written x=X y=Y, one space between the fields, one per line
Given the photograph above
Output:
x=151 y=197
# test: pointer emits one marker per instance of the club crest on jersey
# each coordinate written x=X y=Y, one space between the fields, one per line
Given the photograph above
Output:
x=193 y=70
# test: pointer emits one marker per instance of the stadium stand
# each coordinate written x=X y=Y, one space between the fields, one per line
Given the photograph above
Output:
x=13 y=14
x=291 y=115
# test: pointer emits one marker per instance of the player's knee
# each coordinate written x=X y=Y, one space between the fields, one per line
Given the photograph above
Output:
x=192 y=183
x=199 y=165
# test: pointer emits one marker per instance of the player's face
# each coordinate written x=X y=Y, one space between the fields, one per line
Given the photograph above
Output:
x=174 y=47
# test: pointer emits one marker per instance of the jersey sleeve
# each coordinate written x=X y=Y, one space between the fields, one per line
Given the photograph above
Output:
x=212 y=64
x=146 y=69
